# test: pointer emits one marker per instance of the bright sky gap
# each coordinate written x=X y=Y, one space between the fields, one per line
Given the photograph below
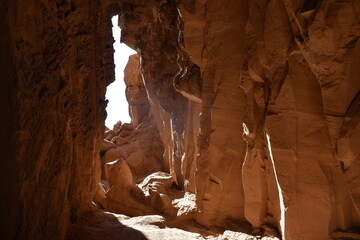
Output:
x=118 y=108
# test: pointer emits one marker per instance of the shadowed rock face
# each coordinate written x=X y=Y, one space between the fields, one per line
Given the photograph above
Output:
x=256 y=104
x=57 y=59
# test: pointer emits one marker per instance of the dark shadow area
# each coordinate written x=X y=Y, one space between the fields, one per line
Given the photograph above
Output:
x=104 y=226
x=348 y=234
x=309 y=5
x=9 y=203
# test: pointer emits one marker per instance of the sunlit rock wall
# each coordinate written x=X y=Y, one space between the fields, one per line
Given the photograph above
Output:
x=264 y=127
x=283 y=75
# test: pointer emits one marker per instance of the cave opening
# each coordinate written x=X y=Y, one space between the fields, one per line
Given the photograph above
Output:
x=117 y=108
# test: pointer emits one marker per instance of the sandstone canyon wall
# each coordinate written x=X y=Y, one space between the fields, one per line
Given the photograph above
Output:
x=274 y=66
x=279 y=60
x=10 y=195
x=256 y=104
x=271 y=92
x=56 y=60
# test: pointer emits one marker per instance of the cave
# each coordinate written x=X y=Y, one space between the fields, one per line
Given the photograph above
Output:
x=244 y=120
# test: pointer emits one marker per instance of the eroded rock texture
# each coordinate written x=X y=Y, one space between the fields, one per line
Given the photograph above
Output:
x=56 y=59
x=252 y=108
x=133 y=178
x=275 y=67
x=135 y=91
x=274 y=99
x=130 y=152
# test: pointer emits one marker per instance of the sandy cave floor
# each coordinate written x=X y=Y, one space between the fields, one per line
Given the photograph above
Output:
x=110 y=226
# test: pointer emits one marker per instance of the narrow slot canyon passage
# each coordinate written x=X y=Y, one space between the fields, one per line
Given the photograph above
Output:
x=136 y=195
x=211 y=120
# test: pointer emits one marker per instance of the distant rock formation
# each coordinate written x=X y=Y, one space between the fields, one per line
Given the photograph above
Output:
x=133 y=181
